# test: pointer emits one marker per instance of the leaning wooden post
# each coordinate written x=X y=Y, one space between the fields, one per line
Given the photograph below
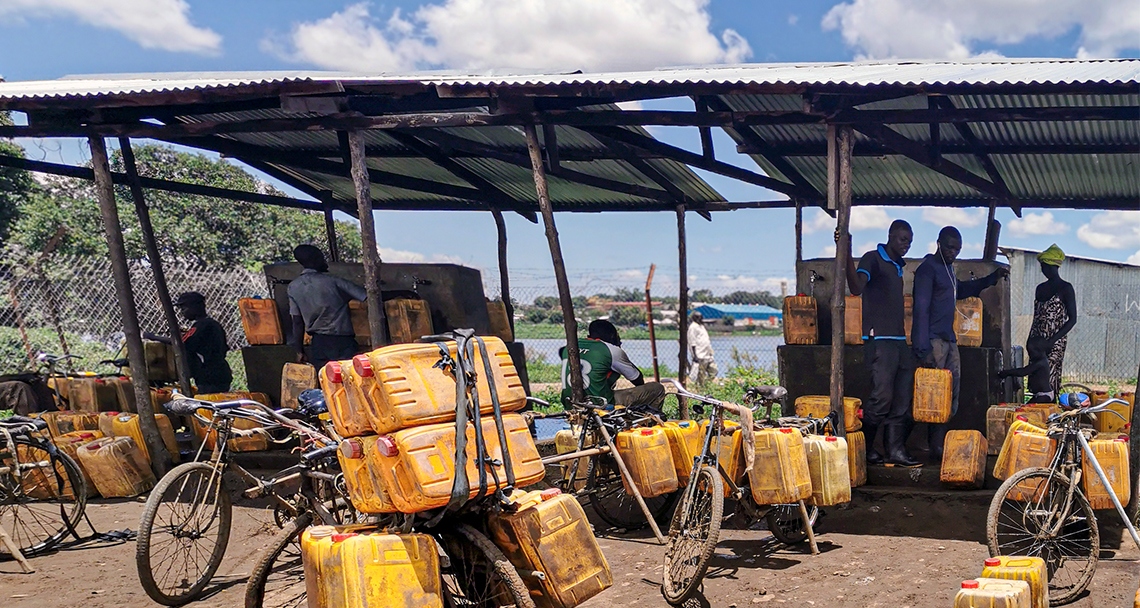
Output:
x=649 y=323
x=682 y=311
x=330 y=226
x=377 y=325
x=839 y=147
x=1134 y=453
x=504 y=278
x=799 y=232
x=573 y=359
x=142 y=210
x=105 y=191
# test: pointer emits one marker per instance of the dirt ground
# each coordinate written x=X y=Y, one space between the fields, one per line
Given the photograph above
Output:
x=883 y=549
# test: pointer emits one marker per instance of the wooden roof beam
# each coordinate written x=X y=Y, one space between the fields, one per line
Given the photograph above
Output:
x=971 y=140
x=919 y=153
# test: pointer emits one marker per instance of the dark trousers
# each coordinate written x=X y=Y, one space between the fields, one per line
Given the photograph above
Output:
x=647 y=396
x=891 y=365
x=208 y=388
x=323 y=349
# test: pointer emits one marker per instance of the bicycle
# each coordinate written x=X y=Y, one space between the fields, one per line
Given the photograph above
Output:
x=42 y=492
x=188 y=514
x=1043 y=511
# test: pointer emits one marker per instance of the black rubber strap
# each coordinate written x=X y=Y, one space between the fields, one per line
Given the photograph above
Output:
x=489 y=372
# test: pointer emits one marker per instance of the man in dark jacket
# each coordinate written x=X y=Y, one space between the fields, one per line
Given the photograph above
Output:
x=318 y=305
x=205 y=342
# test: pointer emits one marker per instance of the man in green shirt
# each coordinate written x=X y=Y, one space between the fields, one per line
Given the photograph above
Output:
x=603 y=361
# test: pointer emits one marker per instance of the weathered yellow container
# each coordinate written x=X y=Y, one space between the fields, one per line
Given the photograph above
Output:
x=1112 y=455
x=857 y=458
x=565 y=442
x=730 y=453
x=62 y=386
x=408 y=319
x=997 y=425
x=685 y=442
x=964 y=459
x=819 y=406
x=61 y=423
x=1111 y=423
x=69 y=443
x=417 y=465
x=853 y=320
x=1036 y=414
x=105 y=422
x=829 y=469
x=801 y=323
x=345 y=569
x=124 y=394
x=780 y=474
x=295 y=379
x=348 y=407
x=358 y=315
x=968 y=322
x=255 y=442
x=160 y=364
x=365 y=485
x=647 y=456
x=933 y=395
x=1028 y=450
x=128 y=425
x=260 y=321
x=550 y=533
x=500 y=321
x=1031 y=570
x=994 y=593
x=39 y=482
x=1001 y=466
x=403 y=387
x=117 y=467
x=81 y=394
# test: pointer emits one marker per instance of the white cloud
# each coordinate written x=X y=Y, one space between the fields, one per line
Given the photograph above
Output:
x=726 y=282
x=828 y=251
x=1034 y=224
x=1112 y=230
x=862 y=218
x=414 y=257
x=153 y=24
x=482 y=34
x=950 y=216
x=954 y=29
x=1134 y=259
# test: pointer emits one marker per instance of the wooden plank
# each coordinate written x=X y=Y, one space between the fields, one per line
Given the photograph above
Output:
x=918 y=153
x=870 y=148
x=377 y=325
x=840 y=139
x=504 y=275
x=682 y=308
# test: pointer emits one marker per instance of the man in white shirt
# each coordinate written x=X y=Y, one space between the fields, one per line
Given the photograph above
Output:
x=700 y=350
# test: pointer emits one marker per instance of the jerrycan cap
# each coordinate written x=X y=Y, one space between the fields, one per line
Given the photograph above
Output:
x=551 y=493
x=646 y=431
x=87 y=435
x=992 y=561
x=124 y=417
x=970 y=584
x=387 y=446
x=830 y=438
x=341 y=537
x=859 y=413
x=684 y=424
x=786 y=430
x=100 y=381
x=362 y=365
x=351 y=449
x=1023 y=418
x=321 y=531
x=335 y=373
x=1121 y=439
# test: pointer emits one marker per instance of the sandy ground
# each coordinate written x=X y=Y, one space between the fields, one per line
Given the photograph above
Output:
x=884 y=550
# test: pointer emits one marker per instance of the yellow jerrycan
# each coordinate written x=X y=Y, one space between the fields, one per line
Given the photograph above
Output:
x=347 y=408
x=933 y=395
x=1020 y=424
x=1031 y=570
x=780 y=474
x=685 y=442
x=1111 y=423
x=857 y=458
x=819 y=406
x=128 y=425
x=964 y=459
x=260 y=321
x=117 y=467
x=346 y=569
x=993 y=593
x=69 y=443
x=295 y=379
x=647 y=455
x=365 y=485
x=997 y=425
x=968 y=322
x=829 y=469
x=566 y=442
x=1112 y=455
x=801 y=324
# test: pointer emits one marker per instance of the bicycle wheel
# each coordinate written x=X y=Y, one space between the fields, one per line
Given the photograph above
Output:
x=786 y=524
x=1031 y=515
x=693 y=536
x=611 y=502
x=186 y=520
x=476 y=574
x=45 y=502
x=278 y=579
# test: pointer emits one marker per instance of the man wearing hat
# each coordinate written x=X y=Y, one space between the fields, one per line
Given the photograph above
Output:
x=206 y=345
x=1054 y=311
x=318 y=305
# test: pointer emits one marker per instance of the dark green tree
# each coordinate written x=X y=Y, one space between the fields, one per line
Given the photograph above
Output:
x=16 y=186
x=627 y=316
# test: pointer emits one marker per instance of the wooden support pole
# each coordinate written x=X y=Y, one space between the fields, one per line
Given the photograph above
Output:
x=142 y=210
x=682 y=309
x=993 y=233
x=330 y=226
x=377 y=324
x=504 y=276
x=840 y=145
x=105 y=191
x=649 y=322
x=799 y=232
x=573 y=358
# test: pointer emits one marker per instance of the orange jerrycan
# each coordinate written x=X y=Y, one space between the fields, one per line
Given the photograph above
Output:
x=964 y=459
x=404 y=387
x=933 y=395
x=857 y=458
x=829 y=470
x=1019 y=424
x=819 y=406
x=81 y=394
x=997 y=425
x=295 y=379
x=1112 y=455
x=1036 y=414
x=128 y=425
x=69 y=443
x=39 y=480
x=117 y=467
x=994 y=593
x=408 y=319
x=1027 y=451
x=685 y=442
x=853 y=320
x=349 y=409
x=356 y=570
x=780 y=474
x=647 y=455
x=730 y=453
x=1031 y=570
x=365 y=486
x=1107 y=422
x=550 y=534
x=968 y=322
x=566 y=442
x=801 y=323
x=260 y=321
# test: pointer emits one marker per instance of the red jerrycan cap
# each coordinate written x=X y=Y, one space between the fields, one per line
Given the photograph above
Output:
x=339 y=537
x=830 y=438
x=785 y=430
x=969 y=584
x=334 y=372
x=362 y=366
x=859 y=413
x=387 y=446
x=646 y=431
x=551 y=493
x=992 y=561
x=351 y=449
x=1023 y=418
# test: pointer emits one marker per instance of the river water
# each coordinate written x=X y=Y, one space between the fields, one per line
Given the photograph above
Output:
x=756 y=351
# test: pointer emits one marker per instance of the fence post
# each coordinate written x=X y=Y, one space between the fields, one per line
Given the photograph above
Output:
x=840 y=142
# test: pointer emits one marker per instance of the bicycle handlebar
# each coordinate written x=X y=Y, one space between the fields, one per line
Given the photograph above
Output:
x=1092 y=409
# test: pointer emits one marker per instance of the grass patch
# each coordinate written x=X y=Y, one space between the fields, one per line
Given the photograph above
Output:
x=6 y=414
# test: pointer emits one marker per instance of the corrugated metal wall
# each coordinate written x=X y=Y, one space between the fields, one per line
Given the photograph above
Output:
x=1105 y=343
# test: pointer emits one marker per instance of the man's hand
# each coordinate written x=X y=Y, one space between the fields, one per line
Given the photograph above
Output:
x=149 y=336
x=925 y=359
x=301 y=357
x=1001 y=273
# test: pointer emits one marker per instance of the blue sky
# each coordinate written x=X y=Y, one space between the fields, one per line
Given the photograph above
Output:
x=43 y=39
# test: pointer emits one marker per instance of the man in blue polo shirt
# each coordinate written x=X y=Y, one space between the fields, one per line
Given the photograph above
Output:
x=879 y=280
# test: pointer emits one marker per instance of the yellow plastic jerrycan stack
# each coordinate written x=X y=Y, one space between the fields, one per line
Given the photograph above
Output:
x=69 y=443
x=819 y=406
x=39 y=481
x=685 y=442
x=1112 y=455
x=550 y=534
x=997 y=425
x=1111 y=423
x=117 y=467
x=61 y=423
x=417 y=465
x=403 y=387
x=801 y=325
x=1002 y=466
x=857 y=458
x=365 y=484
x=295 y=379
x=260 y=321
x=345 y=401
x=128 y=425
x=933 y=395
x=255 y=442
x=345 y=569
x=968 y=322
x=780 y=474
x=565 y=442
x=993 y=593
x=647 y=455
x=1034 y=413
x=964 y=459
x=1031 y=570
x=829 y=470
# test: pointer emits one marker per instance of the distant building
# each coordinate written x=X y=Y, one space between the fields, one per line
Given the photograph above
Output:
x=742 y=314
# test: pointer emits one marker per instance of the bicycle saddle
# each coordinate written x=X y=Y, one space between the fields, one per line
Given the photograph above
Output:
x=770 y=393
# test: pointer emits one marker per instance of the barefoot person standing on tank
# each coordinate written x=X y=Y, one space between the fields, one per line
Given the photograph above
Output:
x=1054 y=311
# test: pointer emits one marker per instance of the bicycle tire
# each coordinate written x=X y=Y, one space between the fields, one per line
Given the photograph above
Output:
x=475 y=567
x=613 y=504
x=1080 y=521
x=70 y=509
x=693 y=528
x=293 y=592
x=189 y=591
x=786 y=524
